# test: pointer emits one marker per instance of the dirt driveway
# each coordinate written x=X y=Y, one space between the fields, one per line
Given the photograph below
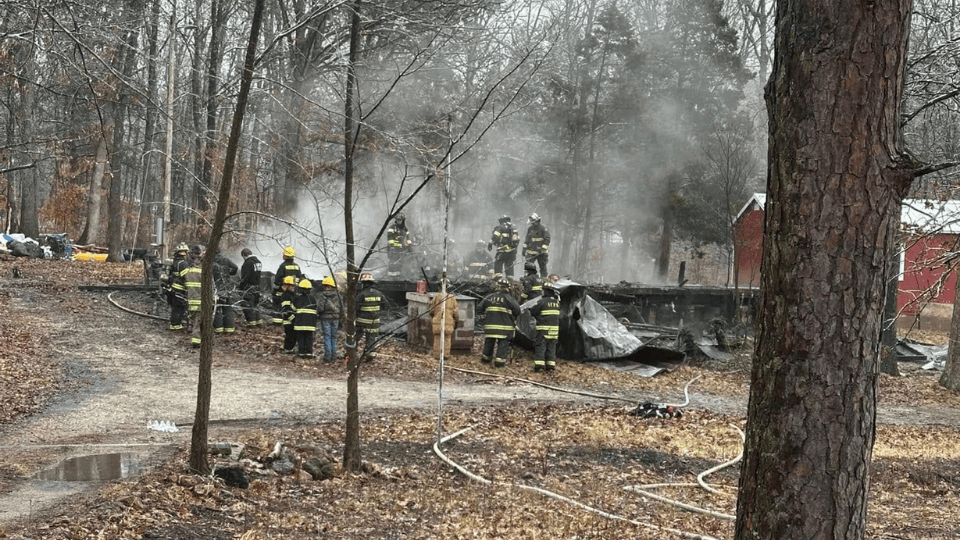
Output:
x=125 y=371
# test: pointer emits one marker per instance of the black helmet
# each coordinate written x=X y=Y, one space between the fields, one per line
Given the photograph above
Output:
x=196 y=249
x=530 y=267
x=400 y=218
x=504 y=219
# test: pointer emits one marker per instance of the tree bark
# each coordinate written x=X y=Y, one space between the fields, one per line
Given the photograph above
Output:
x=950 y=379
x=834 y=184
x=213 y=68
x=29 y=182
x=198 y=440
x=115 y=223
x=351 y=446
x=91 y=231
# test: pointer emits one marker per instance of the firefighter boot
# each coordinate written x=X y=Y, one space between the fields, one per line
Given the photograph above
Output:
x=538 y=366
x=484 y=359
x=551 y=365
x=499 y=363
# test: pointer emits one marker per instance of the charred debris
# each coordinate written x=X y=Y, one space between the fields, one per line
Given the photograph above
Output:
x=631 y=327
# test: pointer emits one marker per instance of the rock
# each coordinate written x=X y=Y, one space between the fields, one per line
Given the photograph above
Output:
x=321 y=469
x=282 y=466
x=304 y=476
x=221 y=449
x=233 y=477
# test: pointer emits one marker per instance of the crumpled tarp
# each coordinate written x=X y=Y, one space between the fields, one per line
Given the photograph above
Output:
x=589 y=333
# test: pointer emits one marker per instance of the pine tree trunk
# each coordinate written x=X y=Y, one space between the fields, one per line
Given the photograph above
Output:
x=834 y=185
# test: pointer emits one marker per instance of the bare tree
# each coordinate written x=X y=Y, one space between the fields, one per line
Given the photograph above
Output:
x=833 y=188
x=198 y=440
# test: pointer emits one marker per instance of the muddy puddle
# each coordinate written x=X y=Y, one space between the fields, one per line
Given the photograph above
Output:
x=94 y=468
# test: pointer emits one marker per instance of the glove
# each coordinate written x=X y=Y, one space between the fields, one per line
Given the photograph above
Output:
x=489 y=246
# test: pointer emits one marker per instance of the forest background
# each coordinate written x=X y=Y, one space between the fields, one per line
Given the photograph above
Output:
x=637 y=130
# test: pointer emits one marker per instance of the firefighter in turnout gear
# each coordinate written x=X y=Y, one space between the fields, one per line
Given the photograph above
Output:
x=478 y=263
x=225 y=315
x=398 y=246
x=537 y=243
x=305 y=318
x=249 y=287
x=329 y=309
x=547 y=314
x=178 y=289
x=191 y=280
x=506 y=238
x=532 y=284
x=499 y=320
x=288 y=267
x=288 y=291
x=369 y=304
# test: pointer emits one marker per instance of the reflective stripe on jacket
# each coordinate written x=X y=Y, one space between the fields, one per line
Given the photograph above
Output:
x=547 y=313
x=191 y=280
x=305 y=313
x=500 y=313
x=369 y=304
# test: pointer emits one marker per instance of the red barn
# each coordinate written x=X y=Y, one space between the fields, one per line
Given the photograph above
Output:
x=748 y=241
x=930 y=234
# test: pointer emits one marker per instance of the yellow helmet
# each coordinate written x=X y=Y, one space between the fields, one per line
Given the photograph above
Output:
x=306 y=284
x=182 y=246
x=288 y=252
x=329 y=281
x=290 y=280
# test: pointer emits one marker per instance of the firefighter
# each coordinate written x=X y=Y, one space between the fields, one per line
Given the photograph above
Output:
x=398 y=246
x=506 y=238
x=288 y=267
x=547 y=313
x=225 y=315
x=369 y=304
x=178 y=289
x=191 y=280
x=288 y=291
x=329 y=309
x=478 y=262
x=445 y=312
x=537 y=243
x=305 y=318
x=500 y=312
x=250 y=287
x=532 y=284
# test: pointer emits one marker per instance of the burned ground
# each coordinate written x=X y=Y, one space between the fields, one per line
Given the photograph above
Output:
x=92 y=376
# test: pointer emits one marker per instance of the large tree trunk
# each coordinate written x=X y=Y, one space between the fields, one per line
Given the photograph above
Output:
x=149 y=189
x=115 y=223
x=213 y=68
x=29 y=181
x=834 y=184
x=950 y=379
x=91 y=231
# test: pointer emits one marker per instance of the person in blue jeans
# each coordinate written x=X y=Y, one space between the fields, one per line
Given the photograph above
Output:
x=329 y=309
